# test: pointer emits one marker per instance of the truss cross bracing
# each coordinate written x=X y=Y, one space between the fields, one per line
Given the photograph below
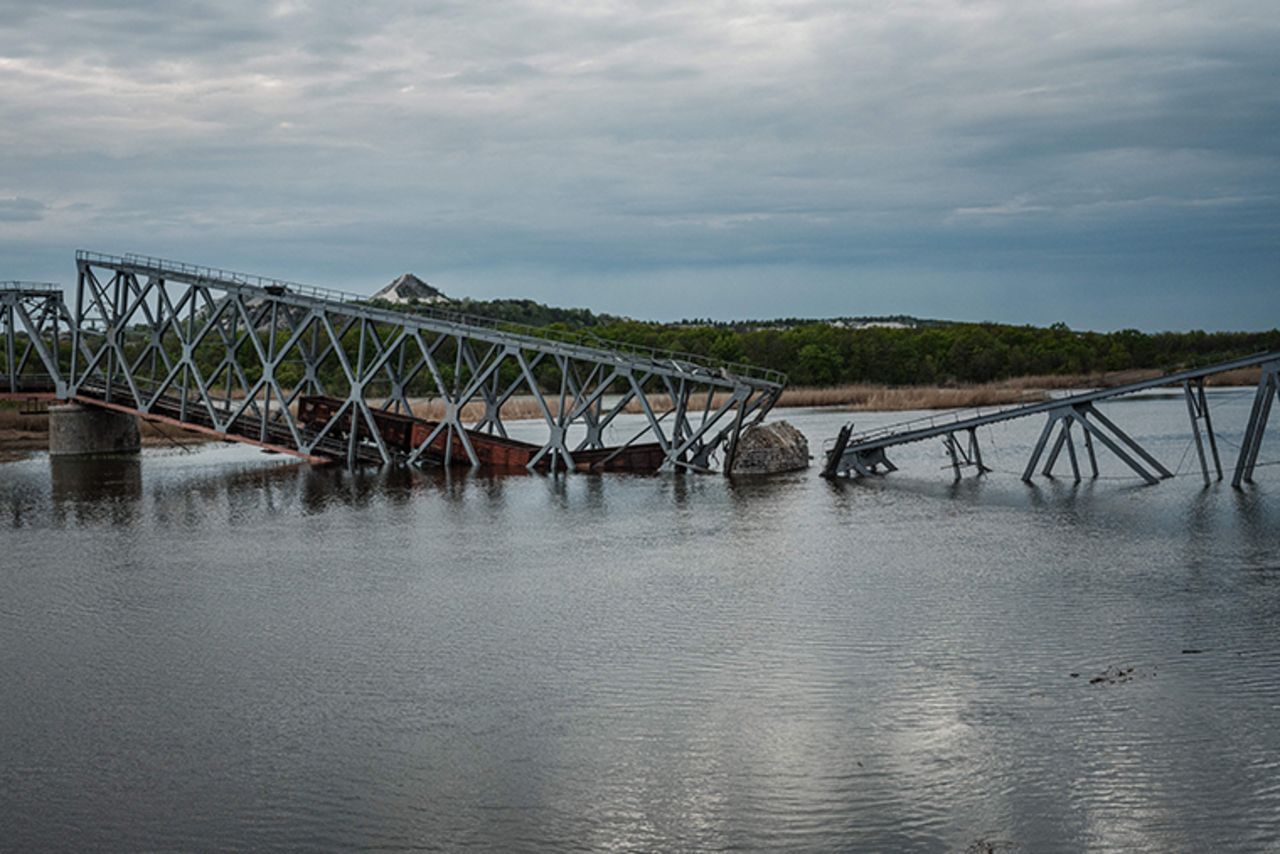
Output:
x=324 y=374
x=1068 y=419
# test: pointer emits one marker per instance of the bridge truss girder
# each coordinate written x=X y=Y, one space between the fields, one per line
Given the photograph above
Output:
x=234 y=358
x=34 y=323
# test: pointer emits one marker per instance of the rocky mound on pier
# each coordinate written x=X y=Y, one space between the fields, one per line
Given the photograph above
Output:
x=770 y=448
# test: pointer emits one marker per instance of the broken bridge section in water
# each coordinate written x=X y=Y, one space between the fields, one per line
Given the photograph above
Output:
x=863 y=454
x=325 y=375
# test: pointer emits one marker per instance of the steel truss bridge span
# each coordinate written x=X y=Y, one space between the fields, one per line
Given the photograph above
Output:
x=327 y=375
x=864 y=454
x=35 y=328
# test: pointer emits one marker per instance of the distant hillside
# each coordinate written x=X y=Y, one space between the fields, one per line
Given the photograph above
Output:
x=408 y=292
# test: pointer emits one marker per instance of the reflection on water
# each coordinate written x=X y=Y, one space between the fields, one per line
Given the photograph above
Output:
x=96 y=488
x=229 y=650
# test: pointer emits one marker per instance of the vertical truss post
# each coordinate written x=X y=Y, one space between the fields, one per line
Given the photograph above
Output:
x=268 y=374
x=949 y=440
x=1194 y=414
x=1071 y=449
x=731 y=454
x=1038 y=450
x=109 y=316
x=75 y=328
x=1088 y=446
x=1064 y=440
x=1063 y=420
x=975 y=450
x=10 y=336
x=1208 y=426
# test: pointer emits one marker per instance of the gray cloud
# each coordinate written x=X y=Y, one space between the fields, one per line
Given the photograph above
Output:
x=932 y=157
x=20 y=210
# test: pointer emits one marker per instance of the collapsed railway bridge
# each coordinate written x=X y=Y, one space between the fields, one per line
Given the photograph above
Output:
x=865 y=453
x=326 y=375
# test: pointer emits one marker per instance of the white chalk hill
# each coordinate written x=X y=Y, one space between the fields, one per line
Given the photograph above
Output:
x=409 y=289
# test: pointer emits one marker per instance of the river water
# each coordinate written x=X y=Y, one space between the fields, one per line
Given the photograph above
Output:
x=224 y=649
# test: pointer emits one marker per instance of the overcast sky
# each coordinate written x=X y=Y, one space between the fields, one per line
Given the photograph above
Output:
x=1110 y=164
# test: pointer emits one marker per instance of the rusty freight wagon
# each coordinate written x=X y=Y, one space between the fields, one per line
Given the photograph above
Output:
x=403 y=434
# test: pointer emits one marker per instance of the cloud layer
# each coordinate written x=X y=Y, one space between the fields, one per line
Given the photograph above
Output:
x=1109 y=163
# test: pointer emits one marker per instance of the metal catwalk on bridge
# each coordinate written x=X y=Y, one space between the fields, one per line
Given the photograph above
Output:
x=324 y=374
x=863 y=454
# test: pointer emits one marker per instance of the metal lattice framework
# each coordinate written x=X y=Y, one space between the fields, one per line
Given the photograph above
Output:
x=235 y=355
x=34 y=325
x=864 y=454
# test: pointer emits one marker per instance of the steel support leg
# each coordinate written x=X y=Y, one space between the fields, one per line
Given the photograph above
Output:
x=1208 y=427
x=1192 y=407
x=1047 y=471
x=1039 y=448
x=976 y=451
x=950 y=442
x=1088 y=446
x=1071 y=449
x=1268 y=388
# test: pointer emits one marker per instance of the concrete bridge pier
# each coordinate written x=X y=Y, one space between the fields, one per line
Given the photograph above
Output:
x=75 y=429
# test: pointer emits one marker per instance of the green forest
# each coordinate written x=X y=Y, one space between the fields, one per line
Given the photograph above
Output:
x=817 y=353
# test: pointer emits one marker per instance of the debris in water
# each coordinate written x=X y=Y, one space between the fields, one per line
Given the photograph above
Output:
x=1113 y=676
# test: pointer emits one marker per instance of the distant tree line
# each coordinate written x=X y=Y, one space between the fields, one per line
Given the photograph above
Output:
x=821 y=354
x=930 y=352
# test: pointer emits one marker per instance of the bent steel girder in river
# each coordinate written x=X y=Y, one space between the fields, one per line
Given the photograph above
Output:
x=861 y=454
x=34 y=327
x=237 y=355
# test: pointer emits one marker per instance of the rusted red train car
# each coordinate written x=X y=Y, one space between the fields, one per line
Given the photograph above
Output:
x=402 y=434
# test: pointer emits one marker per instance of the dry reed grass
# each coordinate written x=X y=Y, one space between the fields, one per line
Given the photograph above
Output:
x=1240 y=376
x=1107 y=379
x=867 y=396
